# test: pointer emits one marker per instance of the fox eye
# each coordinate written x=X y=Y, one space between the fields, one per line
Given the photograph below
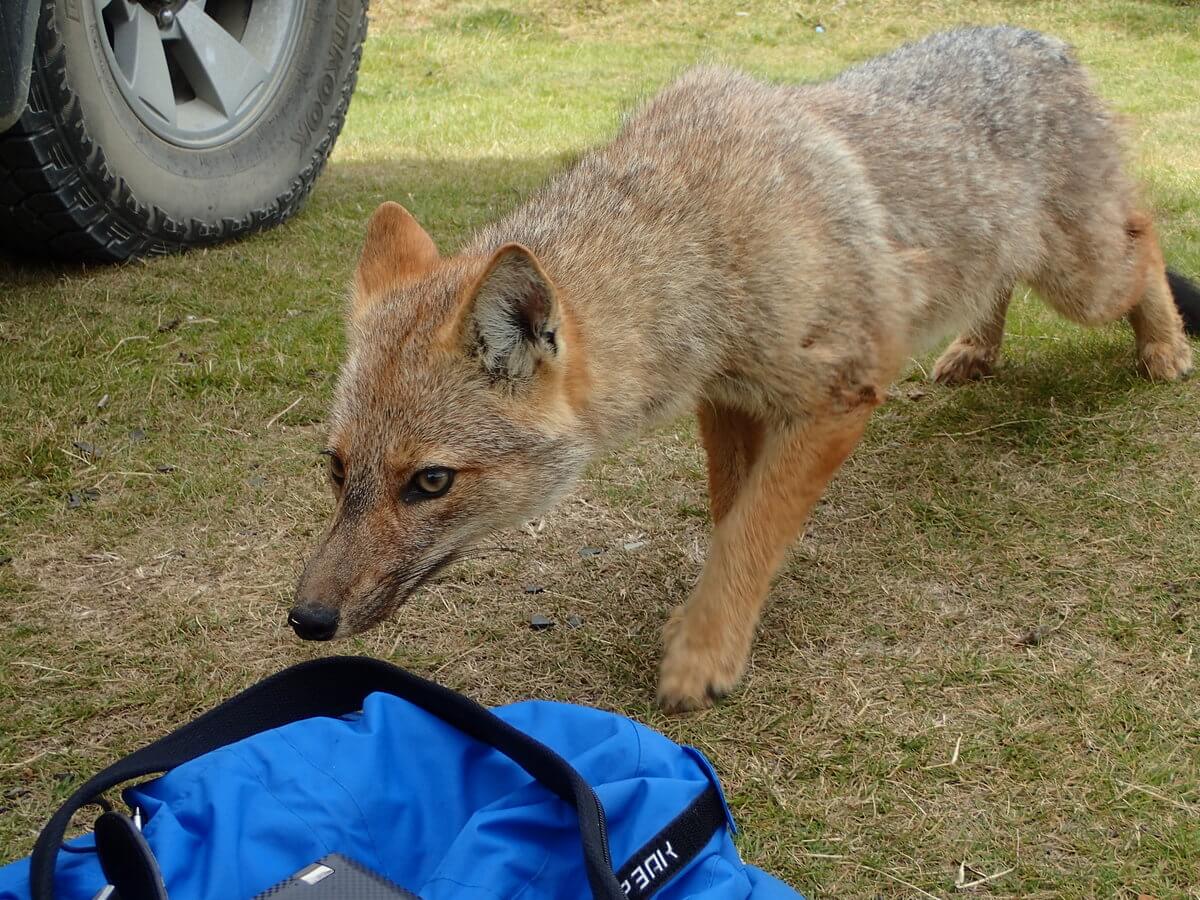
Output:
x=337 y=468
x=429 y=483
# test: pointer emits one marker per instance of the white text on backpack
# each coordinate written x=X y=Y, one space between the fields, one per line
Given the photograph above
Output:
x=649 y=869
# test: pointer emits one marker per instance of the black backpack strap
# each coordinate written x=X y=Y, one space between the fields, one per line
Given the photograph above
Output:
x=334 y=686
x=663 y=856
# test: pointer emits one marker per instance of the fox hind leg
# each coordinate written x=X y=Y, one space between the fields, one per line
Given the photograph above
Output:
x=1164 y=353
x=974 y=353
x=1120 y=272
x=1162 y=350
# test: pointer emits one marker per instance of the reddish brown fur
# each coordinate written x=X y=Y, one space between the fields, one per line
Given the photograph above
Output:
x=752 y=252
x=397 y=250
x=732 y=440
x=708 y=640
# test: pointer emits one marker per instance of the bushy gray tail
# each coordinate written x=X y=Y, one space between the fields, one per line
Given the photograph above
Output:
x=1187 y=298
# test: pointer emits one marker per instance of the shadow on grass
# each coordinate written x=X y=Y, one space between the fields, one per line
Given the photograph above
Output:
x=449 y=196
x=19 y=271
x=1073 y=387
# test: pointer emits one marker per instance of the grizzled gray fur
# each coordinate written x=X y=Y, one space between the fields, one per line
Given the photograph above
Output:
x=769 y=256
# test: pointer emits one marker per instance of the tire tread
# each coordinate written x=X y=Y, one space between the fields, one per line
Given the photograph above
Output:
x=58 y=195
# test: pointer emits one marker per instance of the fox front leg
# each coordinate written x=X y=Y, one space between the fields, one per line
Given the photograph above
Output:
x=707 y=641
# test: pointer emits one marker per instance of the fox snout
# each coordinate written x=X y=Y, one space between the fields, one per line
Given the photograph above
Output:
x=314 y=621
x=317 y=611
x=361 y=572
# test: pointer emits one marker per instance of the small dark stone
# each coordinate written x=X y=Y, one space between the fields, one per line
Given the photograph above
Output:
x=587 y=552
x=256 y=481
x=137 y=436
x=575 y=621
x=538 y=622
x=74 y=500
x=1034 y=636
x=91 y=494
x=533 y=588
x=5 y=559
x=164 y=468
x=87 y=449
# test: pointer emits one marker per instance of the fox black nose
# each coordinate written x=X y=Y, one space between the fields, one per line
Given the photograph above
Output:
x=313 y=622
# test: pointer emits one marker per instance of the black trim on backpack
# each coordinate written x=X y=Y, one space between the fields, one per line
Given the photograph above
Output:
x=663 y=856
x=126 y=859
x=335 y=686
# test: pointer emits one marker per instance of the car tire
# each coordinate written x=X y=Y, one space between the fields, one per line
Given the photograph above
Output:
x=94 y=172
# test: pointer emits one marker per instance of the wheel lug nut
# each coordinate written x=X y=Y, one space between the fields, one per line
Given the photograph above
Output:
x=166 y=18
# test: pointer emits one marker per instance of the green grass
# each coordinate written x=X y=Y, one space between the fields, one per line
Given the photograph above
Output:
x=899 y=727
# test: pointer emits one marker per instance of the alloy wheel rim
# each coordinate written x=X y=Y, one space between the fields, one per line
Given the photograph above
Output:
x=198 y=73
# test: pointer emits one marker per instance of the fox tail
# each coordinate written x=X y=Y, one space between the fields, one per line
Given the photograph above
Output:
x=1187 y=298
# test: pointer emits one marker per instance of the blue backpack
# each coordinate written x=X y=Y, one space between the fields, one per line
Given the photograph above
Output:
x=446 y=799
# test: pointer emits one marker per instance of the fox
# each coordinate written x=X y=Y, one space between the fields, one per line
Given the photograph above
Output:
x=767 y=256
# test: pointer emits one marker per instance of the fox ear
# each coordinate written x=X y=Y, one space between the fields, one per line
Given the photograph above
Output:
x=511 y=317
x=396 y=250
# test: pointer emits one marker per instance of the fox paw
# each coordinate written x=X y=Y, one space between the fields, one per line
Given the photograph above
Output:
x=963 y=362
x=1165 y=361
x=699 y=667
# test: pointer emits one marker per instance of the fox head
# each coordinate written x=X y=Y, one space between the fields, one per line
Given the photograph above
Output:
x=456 y=415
